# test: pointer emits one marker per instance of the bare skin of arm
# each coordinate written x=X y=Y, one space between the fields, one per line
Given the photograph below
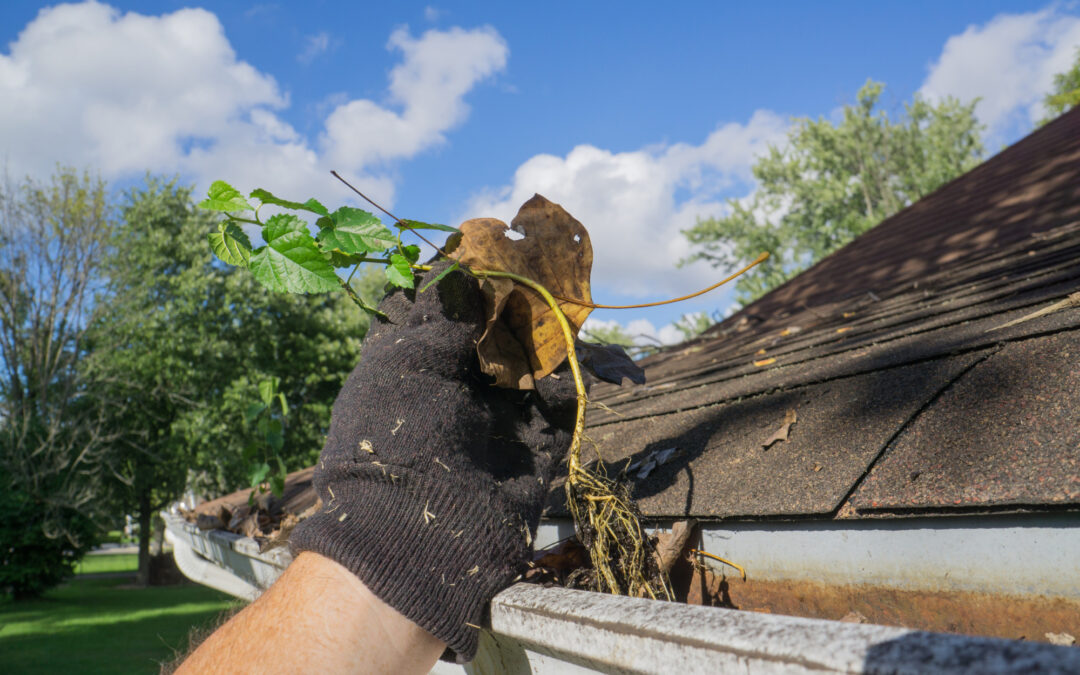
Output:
x=318 y=617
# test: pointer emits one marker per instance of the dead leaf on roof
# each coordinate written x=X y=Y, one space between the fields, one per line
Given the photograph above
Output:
x=848 y=315
x=781 y=434
x=765 y=362
x=843 y=329
x=759 y=352
x=523 y=340
x=654 y=459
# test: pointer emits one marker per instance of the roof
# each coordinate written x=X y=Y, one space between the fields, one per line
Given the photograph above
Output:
x=906 y=398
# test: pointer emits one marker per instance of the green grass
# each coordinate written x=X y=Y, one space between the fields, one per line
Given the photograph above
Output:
x=98 y=626
x=108 y=562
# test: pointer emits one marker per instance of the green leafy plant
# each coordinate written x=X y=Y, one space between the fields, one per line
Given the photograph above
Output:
x=268 y=414
x=293 y=261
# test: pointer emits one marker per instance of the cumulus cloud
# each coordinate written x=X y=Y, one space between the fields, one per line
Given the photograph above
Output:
x=635 y=203
x=122 y=93
x=429 y=86
x=1009 y=63
x=313 y=46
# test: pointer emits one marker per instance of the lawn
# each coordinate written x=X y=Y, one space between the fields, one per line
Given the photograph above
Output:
x=101 y=626
x=108 y=562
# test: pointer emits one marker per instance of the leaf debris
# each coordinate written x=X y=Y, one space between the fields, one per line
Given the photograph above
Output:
x=781 y=434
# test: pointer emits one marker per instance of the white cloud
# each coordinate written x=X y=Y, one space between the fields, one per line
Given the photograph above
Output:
x=313 y=46
x=635 y=203
x=1008 y=62
x=122 y=93
x=439 y=68
x=432 y=13
x=642 y=331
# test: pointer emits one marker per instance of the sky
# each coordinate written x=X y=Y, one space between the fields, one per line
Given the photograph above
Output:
x=639 y=118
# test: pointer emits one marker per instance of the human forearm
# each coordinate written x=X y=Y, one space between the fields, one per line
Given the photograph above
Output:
x=318 y=617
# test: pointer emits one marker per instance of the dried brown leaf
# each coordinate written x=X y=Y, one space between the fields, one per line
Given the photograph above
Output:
x=523 y=341
x=781 y=434
x=670 y=546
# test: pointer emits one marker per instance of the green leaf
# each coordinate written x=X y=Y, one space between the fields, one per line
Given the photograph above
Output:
x=284 y=405
x=418 y=225
x=267 y=389
x=275 y=440
x=223 y=197
x=442 y=274
x=277 y=485
x=281 y=465
x=230 y=244
x=282 y=224
x=312 y=204
x=411 y=252
x=355 y=231
x=291 y=263
x=258 y=473
x=249 y=453
x=399 y=273
x=253 y=411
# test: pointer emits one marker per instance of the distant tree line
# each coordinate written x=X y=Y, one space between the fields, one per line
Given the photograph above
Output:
x=128 y=356
x=832 y=180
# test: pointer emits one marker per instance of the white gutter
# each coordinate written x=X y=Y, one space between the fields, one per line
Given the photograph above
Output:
x=205 y=556
x=553 y=630
x=1036 y=554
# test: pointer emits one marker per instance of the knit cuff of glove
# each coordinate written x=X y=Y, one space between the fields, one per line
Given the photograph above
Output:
x=434 y=557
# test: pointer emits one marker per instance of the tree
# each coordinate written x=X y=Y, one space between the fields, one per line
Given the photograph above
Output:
x=1066 y=92
x=694 y=324
x=53 y=241
x=181 y=348
x=833 y=181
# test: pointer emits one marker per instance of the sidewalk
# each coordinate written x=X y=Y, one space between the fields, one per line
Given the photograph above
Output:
x=112 y=549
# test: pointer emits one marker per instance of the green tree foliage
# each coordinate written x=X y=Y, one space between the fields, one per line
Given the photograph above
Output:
x=693 y=325
x=1066 y=92
x=180 y=351
x=833 y=181
x=53 y=240
x=607 y=335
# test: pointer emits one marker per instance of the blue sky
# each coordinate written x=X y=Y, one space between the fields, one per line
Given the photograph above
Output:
x=637 y=117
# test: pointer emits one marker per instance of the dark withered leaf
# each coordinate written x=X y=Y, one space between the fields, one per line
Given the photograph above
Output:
x=610 y=363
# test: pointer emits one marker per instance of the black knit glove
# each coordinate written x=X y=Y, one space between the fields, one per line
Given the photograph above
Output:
x=432 y=480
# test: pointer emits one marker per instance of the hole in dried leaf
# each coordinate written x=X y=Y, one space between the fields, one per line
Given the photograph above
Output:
x=577 y=238
x=513 y=235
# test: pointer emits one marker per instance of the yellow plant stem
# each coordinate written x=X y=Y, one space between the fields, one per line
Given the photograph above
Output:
x=631 y=554
x=574 y=454
x=718 y=558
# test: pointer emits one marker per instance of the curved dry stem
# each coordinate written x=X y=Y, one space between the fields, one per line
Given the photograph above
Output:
x=760 y=259
x=604 y=514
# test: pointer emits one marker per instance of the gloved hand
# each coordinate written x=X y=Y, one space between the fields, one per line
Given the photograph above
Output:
x=433 y=480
